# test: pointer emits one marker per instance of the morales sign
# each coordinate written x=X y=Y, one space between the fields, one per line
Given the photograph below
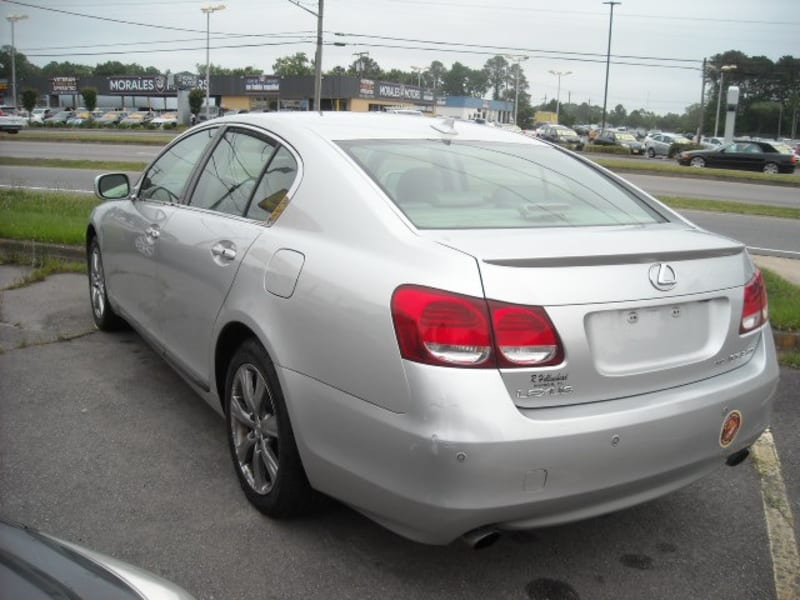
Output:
x=137 y=86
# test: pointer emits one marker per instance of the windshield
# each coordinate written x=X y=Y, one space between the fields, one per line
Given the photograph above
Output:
x=565 y=132
x=484 y=185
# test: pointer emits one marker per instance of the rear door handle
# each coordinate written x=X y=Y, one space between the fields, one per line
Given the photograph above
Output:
x=223 y=252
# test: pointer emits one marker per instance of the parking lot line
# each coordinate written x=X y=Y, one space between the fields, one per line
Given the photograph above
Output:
x=780 y=521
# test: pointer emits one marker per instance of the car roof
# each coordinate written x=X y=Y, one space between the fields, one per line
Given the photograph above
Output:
x=336 y=126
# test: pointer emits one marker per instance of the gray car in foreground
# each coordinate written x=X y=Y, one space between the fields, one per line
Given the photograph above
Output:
x=454 y=329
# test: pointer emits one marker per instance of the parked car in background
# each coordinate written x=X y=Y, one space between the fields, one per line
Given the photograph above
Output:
x=79 y=118
x=39 y=114
x=38 y=566
x=138 y=118
x=658 y=144
x=11 y=123
x=111 y=117
x=167 y=118
x=59 y=118
x=710 y=143
x=519 y=339
x=769 y=157
x=619 y=138
x=561 y=135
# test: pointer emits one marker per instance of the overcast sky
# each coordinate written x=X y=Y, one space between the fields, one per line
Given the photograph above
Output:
x=560 y=36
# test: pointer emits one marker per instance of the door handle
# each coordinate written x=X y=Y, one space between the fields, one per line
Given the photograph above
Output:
x=223 y=252
x=152 y=232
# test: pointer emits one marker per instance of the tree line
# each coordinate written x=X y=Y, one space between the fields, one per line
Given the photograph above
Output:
x=769 y=101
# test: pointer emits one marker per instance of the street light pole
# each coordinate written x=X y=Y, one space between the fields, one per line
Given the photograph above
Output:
x=13 y=20
x=722 y=71
x=558 y=93
x=208 y=9
x=612 y=4
x=418 y=71
x=516 y=59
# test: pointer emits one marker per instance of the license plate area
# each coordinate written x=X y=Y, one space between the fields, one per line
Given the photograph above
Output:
x=655 y=337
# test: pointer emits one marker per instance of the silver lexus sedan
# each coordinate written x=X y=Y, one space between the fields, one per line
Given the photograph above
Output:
x=454 y=329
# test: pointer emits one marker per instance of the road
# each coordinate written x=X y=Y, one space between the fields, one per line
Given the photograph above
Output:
x=115 y=452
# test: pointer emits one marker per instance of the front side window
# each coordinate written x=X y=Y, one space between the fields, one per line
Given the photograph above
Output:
x=232 y=172
x=166 y=179
x=483 y=185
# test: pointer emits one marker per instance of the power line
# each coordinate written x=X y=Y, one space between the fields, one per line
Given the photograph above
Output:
x=165 y=50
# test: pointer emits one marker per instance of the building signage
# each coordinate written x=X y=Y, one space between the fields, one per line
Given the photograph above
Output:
x=64 y=85
x=261 y=84
x=393 y=91
x=135 y=86
x=367 y=88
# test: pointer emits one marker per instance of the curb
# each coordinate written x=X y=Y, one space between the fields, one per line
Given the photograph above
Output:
x=785 y=341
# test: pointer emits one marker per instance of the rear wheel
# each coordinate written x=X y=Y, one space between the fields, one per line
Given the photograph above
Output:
x=104 y=316
x=771 y=168
x=698 y=162
x=260 y=436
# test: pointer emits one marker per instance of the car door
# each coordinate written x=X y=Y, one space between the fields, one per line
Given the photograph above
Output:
x=206 y=239
x=131 y=241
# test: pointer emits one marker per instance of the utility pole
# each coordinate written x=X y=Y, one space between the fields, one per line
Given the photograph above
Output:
x=702 y=102
x=13 y=19
x=318 y=54
x=612 y=4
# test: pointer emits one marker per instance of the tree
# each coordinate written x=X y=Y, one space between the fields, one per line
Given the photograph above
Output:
x=89 y=98
x=498 y=76
x=23 y=68
x=337 y=71
x=114 y=67
x=463 y=81
x=437 y=73
x=66 y=69
x=29 y=98
x=365 y=66
x=196 y=97
x=297 y=64
x=218 y=70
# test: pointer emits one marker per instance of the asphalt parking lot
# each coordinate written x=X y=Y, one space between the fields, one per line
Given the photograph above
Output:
x=102 y=444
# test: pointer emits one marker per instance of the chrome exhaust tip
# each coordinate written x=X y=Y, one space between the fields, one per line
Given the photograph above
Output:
x=480 y=538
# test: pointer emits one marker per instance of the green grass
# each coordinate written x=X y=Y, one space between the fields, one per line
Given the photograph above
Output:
x=44 y=267
x=51 y=217
x=740 y=208
x=784 y=302
x=656 y=168
x=116 y=137
x=789 y=359
x=67 y=163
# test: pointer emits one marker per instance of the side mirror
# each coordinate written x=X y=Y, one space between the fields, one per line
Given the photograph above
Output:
x=112 y=186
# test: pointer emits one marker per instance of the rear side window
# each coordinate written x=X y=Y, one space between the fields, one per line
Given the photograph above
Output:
x=485 y=185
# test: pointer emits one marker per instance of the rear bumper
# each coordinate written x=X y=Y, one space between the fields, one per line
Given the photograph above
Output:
x=465 y=457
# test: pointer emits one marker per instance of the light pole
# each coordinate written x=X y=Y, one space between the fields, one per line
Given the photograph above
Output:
x=612 y=4
x=360 y=56
x=722 y=71
x=13 y=19
x=208 y=9
x=318 y=54
x=516 y=59
x=419 y=71
x=559 y=74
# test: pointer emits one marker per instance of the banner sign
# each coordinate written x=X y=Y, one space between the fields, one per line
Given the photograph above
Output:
x=64 y=85
x=137 y=86
x=261 y=84
x=394 y=91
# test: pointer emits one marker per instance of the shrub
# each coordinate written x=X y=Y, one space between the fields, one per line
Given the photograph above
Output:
x=607 y=149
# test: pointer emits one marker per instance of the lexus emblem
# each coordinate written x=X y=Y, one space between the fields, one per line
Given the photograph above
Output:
x=662 y=276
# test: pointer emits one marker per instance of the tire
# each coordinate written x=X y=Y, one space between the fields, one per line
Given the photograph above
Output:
x=698 y=162
x=771 y=168
x=105 y=319
x=263 y=448
x=651 y=152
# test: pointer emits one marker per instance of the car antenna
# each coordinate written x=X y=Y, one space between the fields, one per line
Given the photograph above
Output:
x=446 y=126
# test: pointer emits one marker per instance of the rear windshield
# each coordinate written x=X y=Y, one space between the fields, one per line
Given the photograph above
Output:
x=485 y=185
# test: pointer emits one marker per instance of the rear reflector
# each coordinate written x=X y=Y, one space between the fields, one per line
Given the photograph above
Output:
x=755 y=310
x=441 y=328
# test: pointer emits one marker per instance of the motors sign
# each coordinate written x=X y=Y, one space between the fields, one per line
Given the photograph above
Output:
x=137 y=86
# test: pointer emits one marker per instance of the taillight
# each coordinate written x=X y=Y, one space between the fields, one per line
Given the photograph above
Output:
x=442 y=328
x=754 y=312
x=524 y=336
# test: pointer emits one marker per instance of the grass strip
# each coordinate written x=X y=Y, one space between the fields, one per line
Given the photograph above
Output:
x=46 y=266
x=789 y=359
x=50 y=217
x=68 y=163
x=652 y=167
x=39 y=135
x=784 y=308
x=739 y=208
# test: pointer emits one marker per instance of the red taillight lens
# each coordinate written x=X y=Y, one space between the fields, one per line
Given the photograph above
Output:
x=755 y=311
x=441 y=328
x=524 y=336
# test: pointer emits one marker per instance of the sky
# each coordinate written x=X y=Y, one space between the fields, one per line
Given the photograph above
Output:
x=665 y=39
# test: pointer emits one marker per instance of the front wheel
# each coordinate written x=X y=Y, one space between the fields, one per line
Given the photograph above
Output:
x=651 y=152
x=260 y=436
x=771 y=168
x=103 y=315
x=698 y=162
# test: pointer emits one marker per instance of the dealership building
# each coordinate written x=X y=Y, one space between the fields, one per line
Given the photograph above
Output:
x=261 y=92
